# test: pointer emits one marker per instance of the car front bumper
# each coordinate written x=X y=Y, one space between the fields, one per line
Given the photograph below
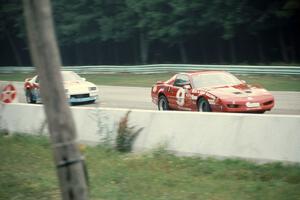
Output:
x=82 y=97
x=81 y=100
x=262 y=106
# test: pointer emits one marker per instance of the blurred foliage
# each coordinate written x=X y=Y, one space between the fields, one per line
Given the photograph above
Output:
x=140 y=23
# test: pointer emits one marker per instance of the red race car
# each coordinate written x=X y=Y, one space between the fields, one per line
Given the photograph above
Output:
x=210 y=91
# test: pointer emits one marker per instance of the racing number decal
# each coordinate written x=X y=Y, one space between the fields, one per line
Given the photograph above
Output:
x=180 y=95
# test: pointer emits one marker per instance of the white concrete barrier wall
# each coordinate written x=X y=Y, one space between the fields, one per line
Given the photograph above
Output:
x=248 y=136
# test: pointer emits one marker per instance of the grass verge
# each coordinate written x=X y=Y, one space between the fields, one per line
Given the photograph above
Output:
x=27 y=172
x=270 y=82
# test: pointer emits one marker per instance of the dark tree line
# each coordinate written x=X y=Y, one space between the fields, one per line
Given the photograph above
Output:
x=97 y=32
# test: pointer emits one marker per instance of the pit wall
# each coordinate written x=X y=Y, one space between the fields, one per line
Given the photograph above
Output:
x=265 y=138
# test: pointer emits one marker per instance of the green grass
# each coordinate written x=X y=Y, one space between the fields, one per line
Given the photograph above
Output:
x=274 y=82
x=27 y=172
x=15 y=76
x=270 y=82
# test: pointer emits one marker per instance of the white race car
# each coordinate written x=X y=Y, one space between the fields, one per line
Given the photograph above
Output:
x=77 y=89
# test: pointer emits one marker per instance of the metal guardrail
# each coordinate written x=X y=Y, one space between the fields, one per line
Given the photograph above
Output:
x=163 y=68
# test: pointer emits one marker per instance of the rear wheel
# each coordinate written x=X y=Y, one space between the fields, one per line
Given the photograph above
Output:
x=163 y=103
x=203 y=105
x=29 y=97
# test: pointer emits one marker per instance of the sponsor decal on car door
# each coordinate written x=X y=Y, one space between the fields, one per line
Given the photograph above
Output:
x=173 y=97
x=188 y=99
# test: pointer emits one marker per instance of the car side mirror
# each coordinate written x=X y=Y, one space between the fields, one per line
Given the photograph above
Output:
x=187 y=87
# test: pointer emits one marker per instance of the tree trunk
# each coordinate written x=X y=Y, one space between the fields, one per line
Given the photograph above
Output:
x=292 y=47
x=98 y=55
x=220 y=52
x=13 y=47
x=182 y=51
x=79 y=51
x=232 y=51
x=45 y=57
x=116 y=53
x=144 y=48
x=203 y=54
x=260 y=49
x=283 y=46
x=136 y=52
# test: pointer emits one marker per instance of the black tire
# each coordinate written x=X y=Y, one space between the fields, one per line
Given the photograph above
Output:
x=203 y=105
x=163 y=103
x=29 y=97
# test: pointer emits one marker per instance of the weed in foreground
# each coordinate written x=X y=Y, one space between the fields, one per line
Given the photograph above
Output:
x=126 y=135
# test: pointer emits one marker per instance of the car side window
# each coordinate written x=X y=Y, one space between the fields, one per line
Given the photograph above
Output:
x=181 y=80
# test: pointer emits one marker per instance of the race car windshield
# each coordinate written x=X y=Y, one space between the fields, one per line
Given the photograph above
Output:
x=214 y=80
x=69 y=76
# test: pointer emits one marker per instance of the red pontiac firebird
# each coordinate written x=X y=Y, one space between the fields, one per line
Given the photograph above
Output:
x=210 y=91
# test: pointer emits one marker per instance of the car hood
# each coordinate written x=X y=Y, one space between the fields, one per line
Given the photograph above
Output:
x=239 y=91
x=78 y=86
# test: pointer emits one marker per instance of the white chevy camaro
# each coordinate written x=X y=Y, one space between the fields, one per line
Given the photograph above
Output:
x=77 y=89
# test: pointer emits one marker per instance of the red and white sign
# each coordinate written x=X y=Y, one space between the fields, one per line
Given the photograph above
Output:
x=8 y=94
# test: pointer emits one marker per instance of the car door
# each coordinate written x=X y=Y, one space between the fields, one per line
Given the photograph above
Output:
x=179 y=94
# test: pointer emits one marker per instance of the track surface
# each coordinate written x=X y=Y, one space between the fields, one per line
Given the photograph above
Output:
x=139 y=98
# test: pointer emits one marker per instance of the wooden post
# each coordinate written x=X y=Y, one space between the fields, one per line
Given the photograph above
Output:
x=45 y=57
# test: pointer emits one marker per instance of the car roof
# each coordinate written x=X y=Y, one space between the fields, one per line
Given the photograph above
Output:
x=203 y=72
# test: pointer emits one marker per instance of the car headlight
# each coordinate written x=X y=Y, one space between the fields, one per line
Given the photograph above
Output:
x=92 y=88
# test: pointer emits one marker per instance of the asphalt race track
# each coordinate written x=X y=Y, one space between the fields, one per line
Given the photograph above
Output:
x=139 y=98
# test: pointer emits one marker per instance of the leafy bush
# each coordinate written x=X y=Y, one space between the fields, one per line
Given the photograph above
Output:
x=126 y=135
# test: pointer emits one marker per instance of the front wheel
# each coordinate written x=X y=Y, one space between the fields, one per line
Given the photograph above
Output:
x=29 y=97
x=203 y=105
x=163 y=103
